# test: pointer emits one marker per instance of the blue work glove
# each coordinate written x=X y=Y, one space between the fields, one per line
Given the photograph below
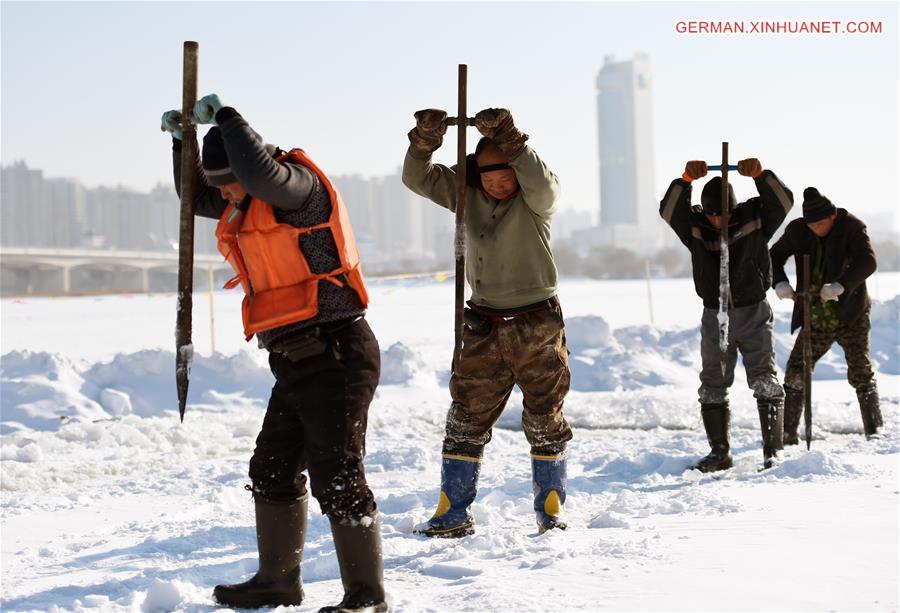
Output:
x=205 y=109
x=171 y=122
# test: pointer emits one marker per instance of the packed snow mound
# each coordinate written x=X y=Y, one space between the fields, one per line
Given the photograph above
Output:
x=635 y=357
x=41 y=390
x=147 y=379
x=586 y=331
x=886 y=336
x=628 y=358
x=400 y=365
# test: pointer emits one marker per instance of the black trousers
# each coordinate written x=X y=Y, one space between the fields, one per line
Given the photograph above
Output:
x=316 y=421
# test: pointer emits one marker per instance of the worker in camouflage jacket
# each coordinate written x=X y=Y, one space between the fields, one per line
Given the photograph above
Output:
x=751 y=225
x=514 y=332
x=841 y=259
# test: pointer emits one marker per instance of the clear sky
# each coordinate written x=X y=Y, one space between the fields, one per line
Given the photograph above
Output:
x=84 y=84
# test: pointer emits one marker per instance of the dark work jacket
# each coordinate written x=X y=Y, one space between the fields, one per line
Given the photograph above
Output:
x=849 y=260
x=297 y=197
x=751 y=225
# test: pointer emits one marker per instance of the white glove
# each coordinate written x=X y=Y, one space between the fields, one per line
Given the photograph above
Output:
x=831 y=291
x=205 y=109
x=784 y=291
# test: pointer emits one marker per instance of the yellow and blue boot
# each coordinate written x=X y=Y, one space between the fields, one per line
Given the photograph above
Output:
x=459 y=483
x=549 y=485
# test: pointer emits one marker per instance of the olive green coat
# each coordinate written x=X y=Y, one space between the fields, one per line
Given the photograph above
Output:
x=508 y=258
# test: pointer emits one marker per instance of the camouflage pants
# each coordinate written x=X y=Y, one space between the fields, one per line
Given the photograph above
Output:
x=853 y=339
x=529 y=351
x=750 y=331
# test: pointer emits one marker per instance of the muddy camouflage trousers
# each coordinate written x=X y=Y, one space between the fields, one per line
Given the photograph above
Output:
x=853 y=339
x=528 y=350
x=316 y=422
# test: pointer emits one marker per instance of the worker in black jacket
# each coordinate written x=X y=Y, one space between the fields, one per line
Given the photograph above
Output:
x=284 y=229
x=841 y=259
x=751 y=226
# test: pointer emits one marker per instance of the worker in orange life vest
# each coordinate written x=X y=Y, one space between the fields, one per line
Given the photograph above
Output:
x=285 y=231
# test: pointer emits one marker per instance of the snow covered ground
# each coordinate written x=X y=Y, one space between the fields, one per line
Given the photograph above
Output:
x=109 y=504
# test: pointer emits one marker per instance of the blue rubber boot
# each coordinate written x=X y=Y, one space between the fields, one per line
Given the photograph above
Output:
x=549 y=485
x=459 y=483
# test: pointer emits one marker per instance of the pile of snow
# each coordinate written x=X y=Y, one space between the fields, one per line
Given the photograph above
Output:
x=885 y=337
x=640 y=356
x=41 y=391
x=400 y=365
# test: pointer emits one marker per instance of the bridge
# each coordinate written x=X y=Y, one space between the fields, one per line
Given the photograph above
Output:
x=35 y=270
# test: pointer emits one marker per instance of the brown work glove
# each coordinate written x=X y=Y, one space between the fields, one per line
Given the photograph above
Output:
x=694 y=170
x=497 y=125
x=427 y=136
x=750 y=168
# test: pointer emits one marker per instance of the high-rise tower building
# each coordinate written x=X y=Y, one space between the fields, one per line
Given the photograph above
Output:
x=629 y=215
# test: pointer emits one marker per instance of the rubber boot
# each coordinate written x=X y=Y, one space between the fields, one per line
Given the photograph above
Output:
x=793 y=412
x=870 y=409
x=716 y=421
x=771 y=424
x=358 y=548
x=459 y=483
x=548 y=482
x=280 y=533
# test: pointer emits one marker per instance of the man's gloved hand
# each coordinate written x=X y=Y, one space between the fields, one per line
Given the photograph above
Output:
x=694 y=170
x=750 y=168
x=497 y=125
x=205 y=109
x=428 y=135
x=171 y=122
x=784 y=291
x=831 y=291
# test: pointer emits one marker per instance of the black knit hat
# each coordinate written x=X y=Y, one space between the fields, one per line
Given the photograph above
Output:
x=816 y=206
x=711 y=197
x=215 y=160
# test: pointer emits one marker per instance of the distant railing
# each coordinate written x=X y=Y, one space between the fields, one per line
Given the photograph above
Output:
x=68 y=256
x=37 y=270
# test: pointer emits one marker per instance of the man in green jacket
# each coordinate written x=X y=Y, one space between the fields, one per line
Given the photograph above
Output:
x=514 y=332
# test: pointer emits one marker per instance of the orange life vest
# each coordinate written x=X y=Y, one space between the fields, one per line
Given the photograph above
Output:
x=279 y=287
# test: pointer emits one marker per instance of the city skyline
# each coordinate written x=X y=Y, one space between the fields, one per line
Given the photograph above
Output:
x=819 y=109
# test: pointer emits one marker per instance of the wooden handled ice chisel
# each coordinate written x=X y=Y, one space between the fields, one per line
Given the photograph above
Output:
x=461 y=121
x=184 y=349
x=806 y=332
x=724 y=263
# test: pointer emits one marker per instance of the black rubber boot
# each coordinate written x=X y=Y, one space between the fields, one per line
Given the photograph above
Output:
x=280 y=533
x=870 y=408
x=793 y=411
x=716 y=421
x=358 y=548
x=771 y=424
